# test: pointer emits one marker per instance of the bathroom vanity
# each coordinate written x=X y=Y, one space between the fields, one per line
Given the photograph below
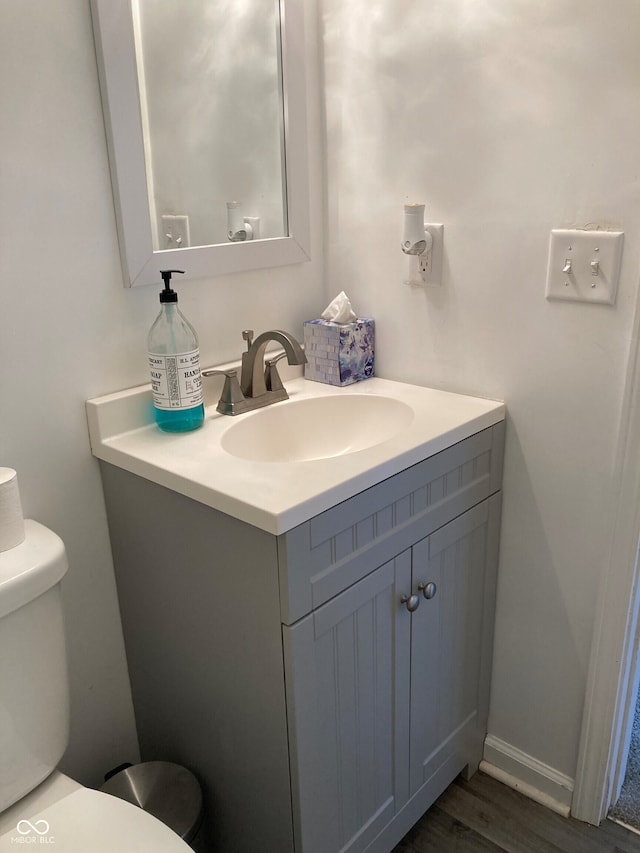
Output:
x=316 y=648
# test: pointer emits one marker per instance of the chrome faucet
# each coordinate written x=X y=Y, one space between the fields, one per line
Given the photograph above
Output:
x=260 y=384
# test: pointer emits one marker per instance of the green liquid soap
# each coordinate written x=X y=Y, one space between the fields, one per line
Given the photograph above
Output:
x=180 y=420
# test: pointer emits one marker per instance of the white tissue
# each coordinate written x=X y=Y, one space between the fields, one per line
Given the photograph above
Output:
x=339 y=310
x=11 y=521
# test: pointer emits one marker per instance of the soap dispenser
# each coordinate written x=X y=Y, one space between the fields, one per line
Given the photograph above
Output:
x=174 y=363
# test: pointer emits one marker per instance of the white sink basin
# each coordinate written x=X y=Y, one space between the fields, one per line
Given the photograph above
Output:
x=279 y=466
x=316 y=428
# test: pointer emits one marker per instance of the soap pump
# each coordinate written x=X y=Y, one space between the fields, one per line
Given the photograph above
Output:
x=174 y=363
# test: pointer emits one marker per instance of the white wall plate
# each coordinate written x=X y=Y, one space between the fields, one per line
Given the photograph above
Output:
x=175 y=232
x=584 y=266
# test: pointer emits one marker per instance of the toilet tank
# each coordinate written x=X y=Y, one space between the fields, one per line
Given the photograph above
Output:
x=34 y=697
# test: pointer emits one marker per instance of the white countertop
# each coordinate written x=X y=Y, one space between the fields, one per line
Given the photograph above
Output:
x=276 y=496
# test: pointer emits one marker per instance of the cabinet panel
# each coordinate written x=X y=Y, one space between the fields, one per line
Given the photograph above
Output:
x=450 y=642
x=347 y=676
x=200 y=609
x=322 y=557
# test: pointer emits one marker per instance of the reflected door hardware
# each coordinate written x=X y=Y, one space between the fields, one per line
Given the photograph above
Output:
x=175 y=231
x=584 y=266
x=423 y=243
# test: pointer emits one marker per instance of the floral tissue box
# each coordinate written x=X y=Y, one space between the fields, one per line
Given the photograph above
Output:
x=339 y=354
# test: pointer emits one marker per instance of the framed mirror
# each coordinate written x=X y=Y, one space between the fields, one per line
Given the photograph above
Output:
x=204 y=106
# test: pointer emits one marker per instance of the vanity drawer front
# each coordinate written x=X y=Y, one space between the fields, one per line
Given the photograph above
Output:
x=328 y=553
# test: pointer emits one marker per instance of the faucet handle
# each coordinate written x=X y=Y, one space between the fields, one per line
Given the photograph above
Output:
x=271 y=361
x=271 y=376
x=232 y=397
x=214 y=371
x=247 y=335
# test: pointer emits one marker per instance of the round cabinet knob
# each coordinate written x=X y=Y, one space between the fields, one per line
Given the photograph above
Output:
x=412 y=602
x=428 y=589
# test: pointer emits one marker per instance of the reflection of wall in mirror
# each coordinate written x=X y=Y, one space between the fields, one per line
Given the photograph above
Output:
x=213 y=117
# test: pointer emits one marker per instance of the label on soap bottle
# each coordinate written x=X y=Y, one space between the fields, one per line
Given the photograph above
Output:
x=175 y=379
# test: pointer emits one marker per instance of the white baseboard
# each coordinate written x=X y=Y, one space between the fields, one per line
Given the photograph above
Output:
x=526 y=774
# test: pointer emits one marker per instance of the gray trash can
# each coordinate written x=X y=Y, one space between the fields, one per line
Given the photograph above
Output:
x=167 y=791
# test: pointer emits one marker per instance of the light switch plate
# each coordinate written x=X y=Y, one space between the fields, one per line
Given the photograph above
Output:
x=584 y=266
x=175 y=231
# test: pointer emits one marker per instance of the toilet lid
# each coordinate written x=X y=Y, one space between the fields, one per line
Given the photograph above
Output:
x=90 y=820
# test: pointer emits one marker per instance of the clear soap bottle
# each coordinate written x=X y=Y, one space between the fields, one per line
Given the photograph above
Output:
x=174 y=364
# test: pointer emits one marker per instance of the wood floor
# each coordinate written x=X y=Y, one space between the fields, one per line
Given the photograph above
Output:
x=484 y=816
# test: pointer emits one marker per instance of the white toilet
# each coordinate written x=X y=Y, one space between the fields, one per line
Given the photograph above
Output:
x=38 y=804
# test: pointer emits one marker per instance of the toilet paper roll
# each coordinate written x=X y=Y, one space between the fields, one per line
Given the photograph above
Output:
x=11 y=521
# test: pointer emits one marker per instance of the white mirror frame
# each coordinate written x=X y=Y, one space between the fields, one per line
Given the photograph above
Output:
x=115 y=48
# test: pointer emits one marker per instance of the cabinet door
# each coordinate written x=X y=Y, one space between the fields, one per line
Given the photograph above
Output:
x=451 y=642
x=347 y=674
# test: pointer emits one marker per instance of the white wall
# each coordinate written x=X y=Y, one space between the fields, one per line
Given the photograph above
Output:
x=70 y=330
x=508 y=118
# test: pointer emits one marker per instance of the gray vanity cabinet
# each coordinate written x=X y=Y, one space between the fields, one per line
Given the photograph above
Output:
x=347 y=671
x=390 y=704
x=451 y=642
x=320 y=713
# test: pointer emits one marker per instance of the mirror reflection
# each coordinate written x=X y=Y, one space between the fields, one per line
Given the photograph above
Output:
x=210 y=81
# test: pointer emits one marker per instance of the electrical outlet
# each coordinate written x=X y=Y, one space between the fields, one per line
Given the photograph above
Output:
x=175 y=231
x=425 y=263
x=430 y=263
x=584 y=266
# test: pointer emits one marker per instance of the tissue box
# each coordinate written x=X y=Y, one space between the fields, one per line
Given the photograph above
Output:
x=339 y=354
